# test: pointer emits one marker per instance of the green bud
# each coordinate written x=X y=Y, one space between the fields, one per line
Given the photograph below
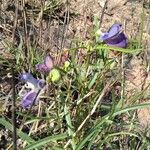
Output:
x=53 y=76
x=66 y=65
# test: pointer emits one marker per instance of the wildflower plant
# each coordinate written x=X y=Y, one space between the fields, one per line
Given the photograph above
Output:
x=82 y=110
x=38 y=86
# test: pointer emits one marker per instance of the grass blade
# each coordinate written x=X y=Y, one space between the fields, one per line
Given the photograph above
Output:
x=106 y=120
x=69 y=124
x=117 y=49
x=46 y=140
x=21 y=134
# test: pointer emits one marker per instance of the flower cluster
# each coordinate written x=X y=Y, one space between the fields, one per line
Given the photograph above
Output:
x=35 y=85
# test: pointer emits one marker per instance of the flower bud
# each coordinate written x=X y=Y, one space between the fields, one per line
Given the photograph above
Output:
x=53 y=76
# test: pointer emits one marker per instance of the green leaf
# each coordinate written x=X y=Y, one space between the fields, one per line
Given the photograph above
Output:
x=45 y=141
x=129 y=108
x=93 y=81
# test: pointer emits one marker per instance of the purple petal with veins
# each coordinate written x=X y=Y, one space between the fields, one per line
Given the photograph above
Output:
x=28 y=99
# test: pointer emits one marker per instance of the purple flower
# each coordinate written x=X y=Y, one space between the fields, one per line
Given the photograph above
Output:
x=35 y=85
x=115 y=36
x=46 y=66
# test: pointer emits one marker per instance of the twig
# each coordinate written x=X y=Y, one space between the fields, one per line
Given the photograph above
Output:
x=123 y=79
x=35 y=124
x=64 y=32
x=40 y=21
x=13 y=111
x=66 y=20
x=102 y=14
x=15 y=21
x=25 y=30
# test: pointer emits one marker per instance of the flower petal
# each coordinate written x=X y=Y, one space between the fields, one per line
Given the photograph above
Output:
x=46 y=66
x=28 y=99
x=42 y=68
x=114 y=30
x=118 y=41
x=122 y=44
x=25 y=76
x=49 y=62
x=28 y=78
